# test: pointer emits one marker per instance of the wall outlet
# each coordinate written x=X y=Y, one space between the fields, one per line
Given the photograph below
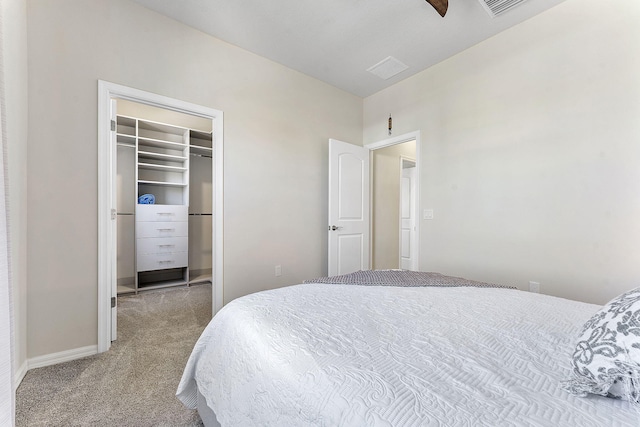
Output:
x=278 y=270
x=534 y=287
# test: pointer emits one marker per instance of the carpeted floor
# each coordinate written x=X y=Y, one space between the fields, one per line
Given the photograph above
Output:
x=134 y=383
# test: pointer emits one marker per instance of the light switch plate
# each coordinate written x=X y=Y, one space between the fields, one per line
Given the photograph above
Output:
x=427 y=214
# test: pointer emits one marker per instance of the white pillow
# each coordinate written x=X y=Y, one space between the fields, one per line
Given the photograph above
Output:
x=606 y=360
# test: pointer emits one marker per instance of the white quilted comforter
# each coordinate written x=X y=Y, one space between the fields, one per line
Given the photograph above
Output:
x=345 y=355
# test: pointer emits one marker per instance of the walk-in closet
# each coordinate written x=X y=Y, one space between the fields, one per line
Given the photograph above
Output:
x=164 y=201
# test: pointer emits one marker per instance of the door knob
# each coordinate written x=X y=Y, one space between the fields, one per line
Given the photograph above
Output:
x=334 y=228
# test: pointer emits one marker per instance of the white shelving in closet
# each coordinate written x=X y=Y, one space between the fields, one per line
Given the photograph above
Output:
x=162 y=227
x=169 y=242
x=163 y=162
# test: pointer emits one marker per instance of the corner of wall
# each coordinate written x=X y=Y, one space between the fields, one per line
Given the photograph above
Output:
x=14 y=44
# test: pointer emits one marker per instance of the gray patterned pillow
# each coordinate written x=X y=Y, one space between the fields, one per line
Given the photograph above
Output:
x=606 y=360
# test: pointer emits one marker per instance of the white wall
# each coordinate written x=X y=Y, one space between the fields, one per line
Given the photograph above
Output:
x=530 y=152
x=14 y=38
x=277 y=123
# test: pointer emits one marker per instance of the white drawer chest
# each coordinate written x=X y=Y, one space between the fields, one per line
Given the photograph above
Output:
x=161 y=237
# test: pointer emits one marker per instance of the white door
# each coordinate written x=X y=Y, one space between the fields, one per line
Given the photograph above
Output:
x=348 y=208
x=407 y=219
x=113 y=261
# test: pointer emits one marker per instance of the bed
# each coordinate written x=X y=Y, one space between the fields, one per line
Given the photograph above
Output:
x=394 y=353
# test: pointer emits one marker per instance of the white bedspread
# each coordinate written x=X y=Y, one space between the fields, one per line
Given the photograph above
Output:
x=341 y=355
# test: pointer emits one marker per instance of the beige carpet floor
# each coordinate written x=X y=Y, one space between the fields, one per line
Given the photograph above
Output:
x=134 y=383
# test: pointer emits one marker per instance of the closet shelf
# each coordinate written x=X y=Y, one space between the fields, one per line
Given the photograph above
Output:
x=197 y=149
x=159 y=143
x=198 y=134
x=126 y=120
x=125 y=128
x=123 y=137
x=163 y=284
x=150 y=155
x=163 y=183
x=153 y=166
x=153 y=126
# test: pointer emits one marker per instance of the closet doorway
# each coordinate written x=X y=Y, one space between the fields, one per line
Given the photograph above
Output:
x=160 y=198
x=394 y=236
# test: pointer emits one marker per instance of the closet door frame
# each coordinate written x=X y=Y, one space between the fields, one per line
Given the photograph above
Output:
x=106 y=189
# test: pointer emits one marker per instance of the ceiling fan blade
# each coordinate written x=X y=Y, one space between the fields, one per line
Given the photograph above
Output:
x=440 y=6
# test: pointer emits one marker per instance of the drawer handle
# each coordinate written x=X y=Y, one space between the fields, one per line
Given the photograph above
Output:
x=166 y=213
x=166 y=262
x=166 y=246
x=166 y=229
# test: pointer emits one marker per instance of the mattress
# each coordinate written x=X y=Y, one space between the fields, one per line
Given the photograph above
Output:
x=348 y=355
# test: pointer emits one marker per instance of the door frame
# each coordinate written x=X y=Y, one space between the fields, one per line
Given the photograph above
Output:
x=106 y=243
x=410 y=136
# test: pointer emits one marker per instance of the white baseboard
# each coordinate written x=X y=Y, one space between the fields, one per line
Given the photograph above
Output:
x=19 y=374
x=52 y=359
x=63 y=356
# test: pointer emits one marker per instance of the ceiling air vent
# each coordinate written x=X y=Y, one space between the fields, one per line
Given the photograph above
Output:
x=498 y=7
x=387 y=68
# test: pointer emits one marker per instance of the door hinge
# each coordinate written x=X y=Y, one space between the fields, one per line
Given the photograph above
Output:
x=114 y=214
x=113 y=302
x=113 y=125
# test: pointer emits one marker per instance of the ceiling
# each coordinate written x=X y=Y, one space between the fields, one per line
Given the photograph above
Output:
x=336 y=41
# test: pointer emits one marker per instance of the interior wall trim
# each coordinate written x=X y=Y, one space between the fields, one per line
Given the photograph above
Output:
x=60 y=357
x=19 y=375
